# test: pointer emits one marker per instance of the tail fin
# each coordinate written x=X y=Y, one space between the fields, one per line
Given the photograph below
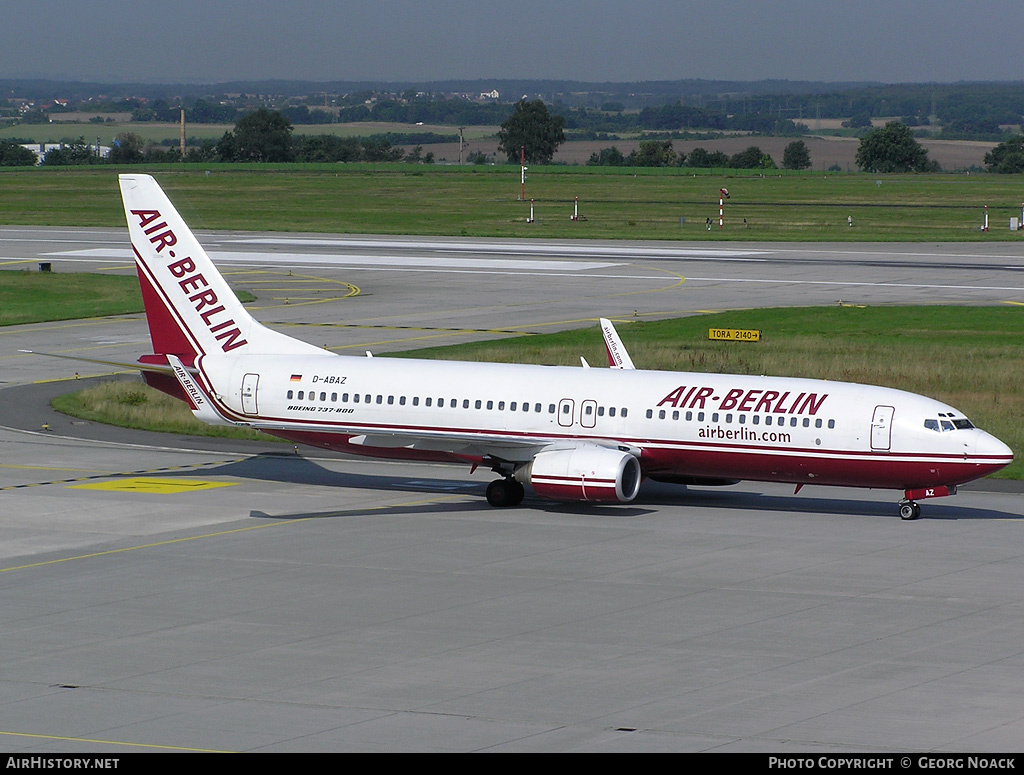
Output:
x=190 y=308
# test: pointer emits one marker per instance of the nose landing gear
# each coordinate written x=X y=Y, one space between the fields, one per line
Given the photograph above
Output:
x=909 y=510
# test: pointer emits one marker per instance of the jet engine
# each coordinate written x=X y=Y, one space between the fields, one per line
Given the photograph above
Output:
x=584 y=473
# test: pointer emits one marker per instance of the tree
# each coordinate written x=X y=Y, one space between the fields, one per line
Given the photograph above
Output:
x=264 y=135
x=654 y=153
x=607 y=157
x=73 y=152
x=796 y=156
x=700 y=158
x=533 y=129
x=127 y=149
x=752 y=158
x=13 y=155
x=892 y=148
x=1007 y=157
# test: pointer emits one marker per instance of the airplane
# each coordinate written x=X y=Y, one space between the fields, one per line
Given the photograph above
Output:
x=571 y=434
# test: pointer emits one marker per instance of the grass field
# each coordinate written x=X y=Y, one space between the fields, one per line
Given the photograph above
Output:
x=969 y=357
x=483 y=201
x=33 y=297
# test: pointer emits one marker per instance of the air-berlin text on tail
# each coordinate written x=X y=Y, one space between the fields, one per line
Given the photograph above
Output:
x=190 y=281
x=740 y=400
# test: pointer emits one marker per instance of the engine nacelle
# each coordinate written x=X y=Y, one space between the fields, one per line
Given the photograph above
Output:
x=585 y=473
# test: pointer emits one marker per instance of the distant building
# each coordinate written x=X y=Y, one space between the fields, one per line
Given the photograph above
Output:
x=489 y=95
x=41 y=149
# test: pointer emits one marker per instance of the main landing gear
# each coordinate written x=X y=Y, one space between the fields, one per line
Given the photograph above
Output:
x=909 y=510
x=505 y=492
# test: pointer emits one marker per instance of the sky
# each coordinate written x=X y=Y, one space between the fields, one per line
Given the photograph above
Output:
x=212 y=41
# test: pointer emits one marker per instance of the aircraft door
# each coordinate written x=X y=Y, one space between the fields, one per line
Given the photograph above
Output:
x=250 y=382
x=566 y=408
x=881 y=428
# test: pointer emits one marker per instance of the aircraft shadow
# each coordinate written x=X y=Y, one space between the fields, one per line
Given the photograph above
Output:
x=295 y=469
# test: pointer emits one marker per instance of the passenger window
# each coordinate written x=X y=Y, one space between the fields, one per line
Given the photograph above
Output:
x=291 y=394
x=661 y=414
x=831 y=423
x=623 y=412
x=611 y=411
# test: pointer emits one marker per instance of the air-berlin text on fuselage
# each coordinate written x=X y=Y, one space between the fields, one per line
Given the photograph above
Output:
x=190 y=281
x=741 y=400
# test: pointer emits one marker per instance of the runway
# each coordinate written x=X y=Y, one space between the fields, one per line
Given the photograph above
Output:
x=163 y=594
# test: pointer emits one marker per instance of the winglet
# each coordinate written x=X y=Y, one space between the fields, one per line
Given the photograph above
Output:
x=618 y=358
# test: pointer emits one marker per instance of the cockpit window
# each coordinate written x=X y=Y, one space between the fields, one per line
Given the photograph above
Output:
x=951 y=424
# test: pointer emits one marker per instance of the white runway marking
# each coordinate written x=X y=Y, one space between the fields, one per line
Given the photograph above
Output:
x=365 y=261
x=528 y=247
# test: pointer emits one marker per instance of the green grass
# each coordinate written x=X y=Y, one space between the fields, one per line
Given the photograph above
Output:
x=33 y=297
x=483 y=201
x=132 y=404
x=969 y=357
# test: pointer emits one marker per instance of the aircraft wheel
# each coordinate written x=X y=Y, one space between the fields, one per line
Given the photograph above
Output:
x=909 y=510
x=517 y=491
x=505 y=492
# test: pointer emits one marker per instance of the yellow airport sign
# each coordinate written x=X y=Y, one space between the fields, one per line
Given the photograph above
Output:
x=735 y=334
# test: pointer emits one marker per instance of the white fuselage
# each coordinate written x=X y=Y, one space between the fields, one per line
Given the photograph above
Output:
x=678 y=424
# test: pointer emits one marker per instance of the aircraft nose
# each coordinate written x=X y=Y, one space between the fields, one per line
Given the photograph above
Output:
x=989 y=446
